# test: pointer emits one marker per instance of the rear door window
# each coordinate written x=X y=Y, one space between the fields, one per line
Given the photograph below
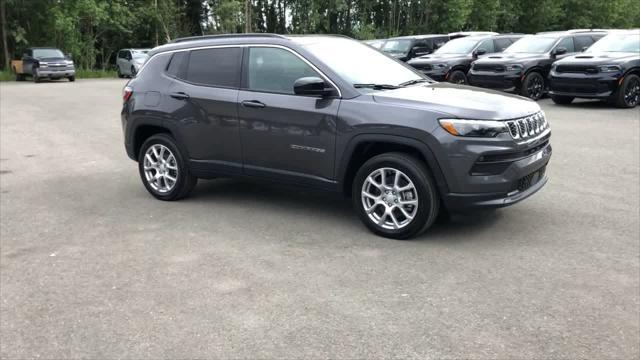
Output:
x=583 y=42
x=501 y=44
x=176 y=64
x=219 y=67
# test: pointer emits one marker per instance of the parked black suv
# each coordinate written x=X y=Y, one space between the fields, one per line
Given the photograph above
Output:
x=524 y=66
x=407 y=47
x=305 y=110
x=608 y=70
x=452 y=61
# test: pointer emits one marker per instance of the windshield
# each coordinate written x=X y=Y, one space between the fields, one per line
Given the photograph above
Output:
x=617 y=43
x=140 y=55
x=397 y=46
x=532 y=45
x=375 y=43
x=458 y=46
x=47 y=53
x=357 y=63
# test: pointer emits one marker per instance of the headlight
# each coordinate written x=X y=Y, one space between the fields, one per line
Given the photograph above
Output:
x=68 y=62
x=42 y=64
x=473 y=128
x=514 y=67
x=609 y=68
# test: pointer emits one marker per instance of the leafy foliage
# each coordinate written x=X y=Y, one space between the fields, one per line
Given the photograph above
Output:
x=93 y=30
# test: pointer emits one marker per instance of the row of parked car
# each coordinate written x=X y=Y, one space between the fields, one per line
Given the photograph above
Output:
x=594 y=64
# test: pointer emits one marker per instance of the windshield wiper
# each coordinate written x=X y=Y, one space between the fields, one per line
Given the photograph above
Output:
x=376 y=86
x=413 y=82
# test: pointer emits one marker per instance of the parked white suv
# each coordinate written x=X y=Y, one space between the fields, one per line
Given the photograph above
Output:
x=129 y=61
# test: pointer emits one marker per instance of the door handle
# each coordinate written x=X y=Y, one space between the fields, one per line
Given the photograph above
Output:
x=253 y=104
x=179 y=96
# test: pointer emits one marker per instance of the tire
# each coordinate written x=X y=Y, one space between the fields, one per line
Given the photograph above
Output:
x=533 y=86
x=458 y=77
x=562 y=100
x=36 y=78
x=72 y=78
x=395 y=225
x=133 y=71
x=628 y=94
x=175 y=167
x=119 y=73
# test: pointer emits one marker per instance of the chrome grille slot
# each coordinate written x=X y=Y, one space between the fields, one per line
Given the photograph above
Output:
x=527 y=127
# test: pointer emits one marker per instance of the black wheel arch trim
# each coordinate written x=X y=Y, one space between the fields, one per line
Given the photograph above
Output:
x=422 y=147
x=149 y=122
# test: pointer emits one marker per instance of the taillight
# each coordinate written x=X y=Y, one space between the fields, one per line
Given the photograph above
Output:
x=126 y=93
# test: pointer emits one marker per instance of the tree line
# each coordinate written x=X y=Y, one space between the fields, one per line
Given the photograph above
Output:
x=93 y=30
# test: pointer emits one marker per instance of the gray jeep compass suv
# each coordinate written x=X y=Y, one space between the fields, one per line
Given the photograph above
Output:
x=306 y=110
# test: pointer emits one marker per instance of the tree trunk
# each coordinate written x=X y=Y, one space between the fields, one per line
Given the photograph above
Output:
x=5 y=48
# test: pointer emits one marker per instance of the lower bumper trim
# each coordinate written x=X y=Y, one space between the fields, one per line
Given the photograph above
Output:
x=459 y=202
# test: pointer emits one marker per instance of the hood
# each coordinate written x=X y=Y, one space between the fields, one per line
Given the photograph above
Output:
x=460 y=101
x=599 y=58
x=439 y=58
x=51 y=58
x=510 y=58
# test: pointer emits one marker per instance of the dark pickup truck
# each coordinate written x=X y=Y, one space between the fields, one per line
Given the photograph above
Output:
x=44 y=62
x=609 y=70
x=407 y=47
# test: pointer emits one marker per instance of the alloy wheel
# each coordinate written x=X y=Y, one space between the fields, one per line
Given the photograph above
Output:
x=160 y=168
x=632 y=92
x=536 y=85
x=389 y=198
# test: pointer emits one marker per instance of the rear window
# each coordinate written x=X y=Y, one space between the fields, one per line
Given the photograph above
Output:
x=215 y=67
x=176 y=64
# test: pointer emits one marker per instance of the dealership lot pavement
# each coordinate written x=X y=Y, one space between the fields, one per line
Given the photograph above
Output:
x=91 y=266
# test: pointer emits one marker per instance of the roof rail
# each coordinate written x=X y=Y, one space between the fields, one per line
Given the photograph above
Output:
x=227 y=36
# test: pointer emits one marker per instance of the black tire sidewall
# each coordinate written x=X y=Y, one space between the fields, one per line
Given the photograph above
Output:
x=620 y=101
x=427 y=194
x=527 y=80
x=183 y=184
x=459 y=74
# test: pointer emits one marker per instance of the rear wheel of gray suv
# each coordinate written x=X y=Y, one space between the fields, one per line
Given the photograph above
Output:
x=562 y=100
x=628 y=94
x=395 y=196
x=458 y=77
x=533 y=86
x=163 y=169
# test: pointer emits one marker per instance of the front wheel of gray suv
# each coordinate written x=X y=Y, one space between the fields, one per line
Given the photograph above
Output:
x=163 y=169
x=395 y=196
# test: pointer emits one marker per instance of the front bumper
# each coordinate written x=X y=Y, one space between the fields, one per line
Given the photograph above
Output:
x=55 y=73
x=437 y=75
x=492 y=172
x=590 y=86
x=495 y=80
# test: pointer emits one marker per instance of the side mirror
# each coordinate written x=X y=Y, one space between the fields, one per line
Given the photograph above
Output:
x=584 y=48
x=479 y=52
x=420 y=50
x=560 y=51
x=312 y=86
x=68 y=56
x=26 y=56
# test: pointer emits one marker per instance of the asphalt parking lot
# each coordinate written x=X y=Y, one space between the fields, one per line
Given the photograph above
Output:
x=92 y=266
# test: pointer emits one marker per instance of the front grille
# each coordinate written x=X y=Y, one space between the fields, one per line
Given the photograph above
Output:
x=584 y=69
x=527 y=127
x=489 y=67
x=531 y=179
